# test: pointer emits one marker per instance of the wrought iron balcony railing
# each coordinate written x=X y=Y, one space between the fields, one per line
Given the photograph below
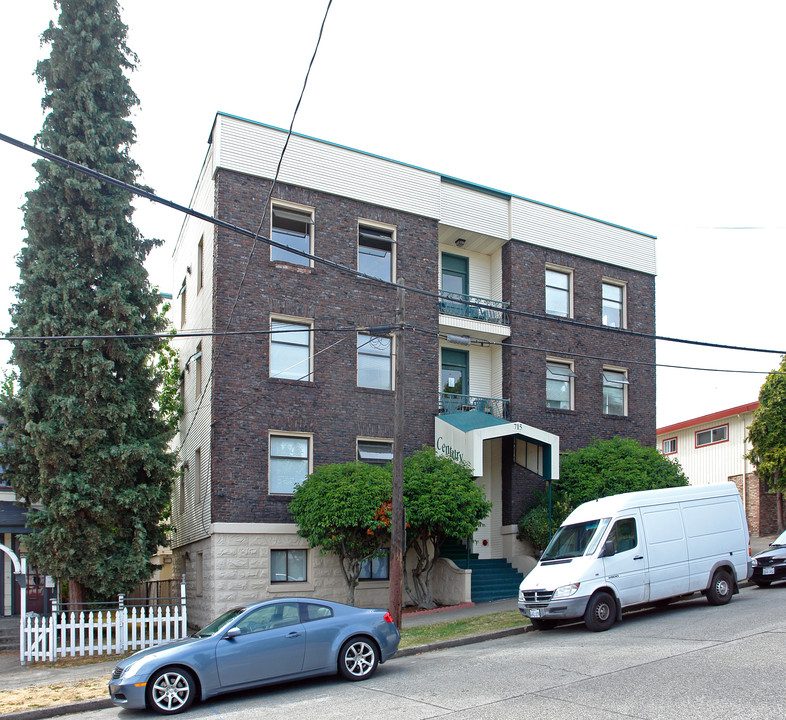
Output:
x=452 y=403
x=469 y=306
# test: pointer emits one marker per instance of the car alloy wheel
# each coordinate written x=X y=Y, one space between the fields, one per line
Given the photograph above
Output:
x=358 y=659
x=171 y=690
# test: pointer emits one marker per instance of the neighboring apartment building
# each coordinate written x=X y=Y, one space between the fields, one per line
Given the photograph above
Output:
x=712 y=449
x=519 y=346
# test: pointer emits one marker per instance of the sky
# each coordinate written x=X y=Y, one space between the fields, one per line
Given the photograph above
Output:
x=666 y=118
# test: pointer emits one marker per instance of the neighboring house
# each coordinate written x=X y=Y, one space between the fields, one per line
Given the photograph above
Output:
x=12 y=535
x=712 y=449
x=541 y=362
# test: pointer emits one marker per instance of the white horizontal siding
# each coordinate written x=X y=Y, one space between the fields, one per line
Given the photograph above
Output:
x=255 y=149
x=712 y=463
x=560 y=230
x=477 y=211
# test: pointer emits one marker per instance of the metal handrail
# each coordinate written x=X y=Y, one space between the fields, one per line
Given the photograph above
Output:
x=473 y=307
x=454 y=402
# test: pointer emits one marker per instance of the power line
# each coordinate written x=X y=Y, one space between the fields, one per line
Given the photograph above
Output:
x=619 y=332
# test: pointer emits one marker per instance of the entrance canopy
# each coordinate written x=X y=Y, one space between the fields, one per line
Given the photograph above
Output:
x=460 y=436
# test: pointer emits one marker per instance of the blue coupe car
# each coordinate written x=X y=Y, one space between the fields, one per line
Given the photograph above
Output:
x=268 y=642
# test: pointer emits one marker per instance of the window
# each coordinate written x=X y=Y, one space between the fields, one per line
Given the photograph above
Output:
x=623 y=535
x=290 y=350
x=375 y=452
x=197 y=476
x=198 y=371
x=269 y=617
x=182 y=499
x=613 y=310
x=713 y=435
x=316 y=612
x=559 y=385
x=615 y=391
x=558 y=286
x=375 y=252
x=288 y=566
x=375 y=364
x=375 y=568
x=289 y=463
x=293 y=229
x=455 y=275
x=670 y=446
x=200 y=263
x=182 y=294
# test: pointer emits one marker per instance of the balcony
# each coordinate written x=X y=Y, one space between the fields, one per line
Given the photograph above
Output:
x=469 y=307
x=452 y=403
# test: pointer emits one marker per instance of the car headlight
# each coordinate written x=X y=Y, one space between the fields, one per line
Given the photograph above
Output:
x=521 y=596
x=755 y=562
x=565 y=591
x=133 y=668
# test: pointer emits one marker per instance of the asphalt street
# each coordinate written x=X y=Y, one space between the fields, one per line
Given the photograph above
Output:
x=688 y=660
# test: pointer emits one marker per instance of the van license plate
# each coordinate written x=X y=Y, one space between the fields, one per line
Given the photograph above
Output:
x=535 y=612
x=768 y=571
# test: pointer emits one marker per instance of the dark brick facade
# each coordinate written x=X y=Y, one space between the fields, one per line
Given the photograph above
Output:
x=247 y=404
x=589 y=347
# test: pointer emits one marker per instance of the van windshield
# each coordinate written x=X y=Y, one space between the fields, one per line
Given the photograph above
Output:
x=575 y=540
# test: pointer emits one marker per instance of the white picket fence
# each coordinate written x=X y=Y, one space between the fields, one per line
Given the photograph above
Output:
x=101 y=632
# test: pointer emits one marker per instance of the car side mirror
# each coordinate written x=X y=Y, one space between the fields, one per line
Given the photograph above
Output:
x=608 y=548
x=232 y=633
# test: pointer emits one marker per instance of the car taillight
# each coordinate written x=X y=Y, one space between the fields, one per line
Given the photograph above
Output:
x=388 y=617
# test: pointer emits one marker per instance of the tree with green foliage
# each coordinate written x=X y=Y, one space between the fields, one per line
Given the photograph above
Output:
x=607 y=467
x=767 y=435
x=344 y=509
x=441 y=500
x=89 y=450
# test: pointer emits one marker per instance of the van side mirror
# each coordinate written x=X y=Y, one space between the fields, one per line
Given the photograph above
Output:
x=608 y=548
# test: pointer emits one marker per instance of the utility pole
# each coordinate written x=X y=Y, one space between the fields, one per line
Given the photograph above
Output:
x=397 y=509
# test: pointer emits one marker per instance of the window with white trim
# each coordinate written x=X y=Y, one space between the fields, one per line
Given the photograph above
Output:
x=294 y=228
x=288 y=566
x=670 y=446
x=377 y=568
x=615 y=391
x=290 y=350
x=558 y=292
x=200 y=263
x=198 y=476
x=290 y=462
x=375 y=252
x=559 y=385
x=712 y=435
x=375 y=452
x=613 y=304
x=375 y=362
x=198 y=372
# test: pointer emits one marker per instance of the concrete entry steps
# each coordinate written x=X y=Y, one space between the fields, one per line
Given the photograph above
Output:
x=491 y=579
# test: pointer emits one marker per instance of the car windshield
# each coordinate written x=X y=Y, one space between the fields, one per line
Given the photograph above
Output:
x=779 y=541
x=575 y=540
x=219 y=623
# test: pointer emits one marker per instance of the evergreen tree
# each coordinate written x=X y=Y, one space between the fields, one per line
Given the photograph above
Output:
x=86 y=441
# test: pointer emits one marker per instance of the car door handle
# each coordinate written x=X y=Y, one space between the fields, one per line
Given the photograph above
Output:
x=639 y=557
x=293 y=634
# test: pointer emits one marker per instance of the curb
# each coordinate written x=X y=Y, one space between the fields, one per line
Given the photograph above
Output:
x=55 y=710
x=457 y=642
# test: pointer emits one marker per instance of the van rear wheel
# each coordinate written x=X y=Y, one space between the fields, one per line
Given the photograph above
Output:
x=601 y=612
x=721 y=588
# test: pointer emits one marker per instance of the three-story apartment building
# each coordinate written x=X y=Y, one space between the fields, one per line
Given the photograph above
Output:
x=529 y=329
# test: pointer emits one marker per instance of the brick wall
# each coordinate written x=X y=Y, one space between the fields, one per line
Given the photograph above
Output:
x=761 y=505
x=248 y=404
x=524 y=370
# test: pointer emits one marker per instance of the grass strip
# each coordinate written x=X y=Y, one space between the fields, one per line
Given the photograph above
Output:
x=425 y=634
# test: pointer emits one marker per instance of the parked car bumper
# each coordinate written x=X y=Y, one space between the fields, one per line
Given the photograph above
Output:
x=128 y=692
x=778 y=572
x=562 y=609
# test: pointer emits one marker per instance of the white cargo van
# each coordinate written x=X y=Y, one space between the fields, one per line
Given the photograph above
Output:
x=637 y=548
